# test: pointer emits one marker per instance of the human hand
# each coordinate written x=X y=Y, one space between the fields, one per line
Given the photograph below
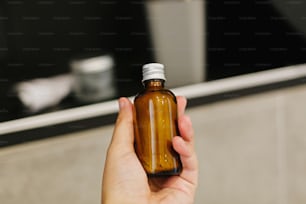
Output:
x=124 y=179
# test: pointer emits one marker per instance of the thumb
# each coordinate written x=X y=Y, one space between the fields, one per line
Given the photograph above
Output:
x=123 y=135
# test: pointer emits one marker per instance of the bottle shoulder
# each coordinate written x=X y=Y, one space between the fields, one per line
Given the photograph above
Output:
x=147 y=94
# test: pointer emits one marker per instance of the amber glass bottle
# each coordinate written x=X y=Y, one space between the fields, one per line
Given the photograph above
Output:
x=156 y=124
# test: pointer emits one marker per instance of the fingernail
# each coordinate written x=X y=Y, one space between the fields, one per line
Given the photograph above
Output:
x=121 y=103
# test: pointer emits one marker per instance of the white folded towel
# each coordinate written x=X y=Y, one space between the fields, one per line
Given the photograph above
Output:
x=41 y=93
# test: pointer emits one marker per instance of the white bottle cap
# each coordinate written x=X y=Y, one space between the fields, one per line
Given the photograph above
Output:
x=153 y=71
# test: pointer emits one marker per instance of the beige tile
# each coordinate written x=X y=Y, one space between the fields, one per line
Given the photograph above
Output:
x=295 y=114
x=236 y=144
x=61 y=170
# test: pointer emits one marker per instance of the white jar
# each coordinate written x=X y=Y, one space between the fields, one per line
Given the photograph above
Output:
x=93 y=78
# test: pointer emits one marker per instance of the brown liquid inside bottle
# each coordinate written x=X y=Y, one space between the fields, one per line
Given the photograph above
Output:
x=155 y=127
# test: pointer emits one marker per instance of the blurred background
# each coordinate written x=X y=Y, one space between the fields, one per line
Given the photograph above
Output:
x=197 y=41
x=240 y=64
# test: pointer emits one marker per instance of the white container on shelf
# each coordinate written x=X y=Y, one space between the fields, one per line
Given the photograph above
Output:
x=93 y=78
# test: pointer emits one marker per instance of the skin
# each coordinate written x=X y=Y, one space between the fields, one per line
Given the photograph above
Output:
x=124 y=179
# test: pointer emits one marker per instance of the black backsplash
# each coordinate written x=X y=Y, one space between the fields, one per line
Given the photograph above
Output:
x=38 y=38
x=249 y=36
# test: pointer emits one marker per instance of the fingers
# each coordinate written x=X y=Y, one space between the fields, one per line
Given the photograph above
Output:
x=186 y=129
x=123 y=132
x=184 y=145
x=181 y=105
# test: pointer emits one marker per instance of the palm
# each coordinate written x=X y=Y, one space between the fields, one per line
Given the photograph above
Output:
x=161 y=189
x=171 y=190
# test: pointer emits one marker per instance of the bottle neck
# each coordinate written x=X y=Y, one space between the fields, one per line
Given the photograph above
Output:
x=154 y=84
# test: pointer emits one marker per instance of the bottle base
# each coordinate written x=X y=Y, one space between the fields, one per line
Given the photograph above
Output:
x=173 y=172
